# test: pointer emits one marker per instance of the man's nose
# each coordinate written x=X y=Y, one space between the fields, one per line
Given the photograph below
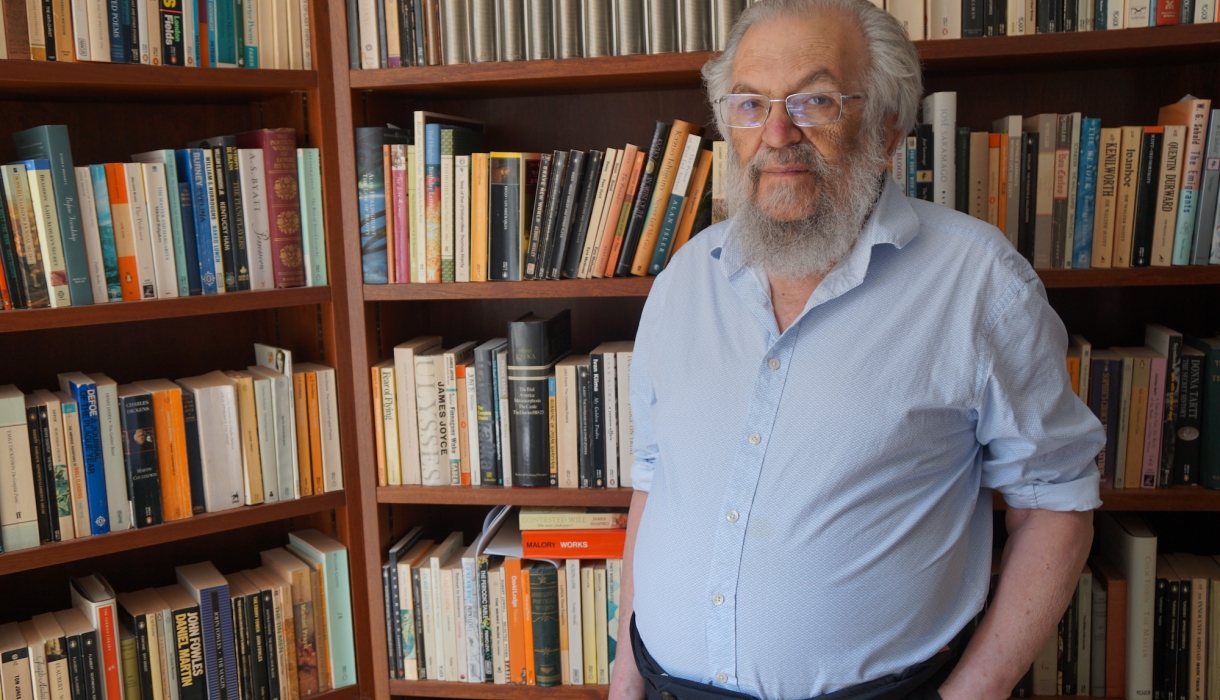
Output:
x=778 y=130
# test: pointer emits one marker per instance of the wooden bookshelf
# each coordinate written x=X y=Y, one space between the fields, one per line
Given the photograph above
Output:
x=204 y=524
x=150 y=309
x=34 y=79
x=488 y=691
x=499 y=495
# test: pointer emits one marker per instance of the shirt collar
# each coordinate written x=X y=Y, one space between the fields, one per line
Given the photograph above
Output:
x=892 y=222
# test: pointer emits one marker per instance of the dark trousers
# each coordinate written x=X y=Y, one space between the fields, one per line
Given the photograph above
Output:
x=919 y=682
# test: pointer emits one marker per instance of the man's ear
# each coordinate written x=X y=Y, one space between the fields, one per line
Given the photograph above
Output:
x=892 y=135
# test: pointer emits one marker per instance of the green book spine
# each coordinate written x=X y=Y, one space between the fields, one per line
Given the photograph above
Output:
x=309 y=173
x=544 y=609
x=175 y=222
x=961 y=166
x=447 y=208
x=51 y=143
x=1209 y=421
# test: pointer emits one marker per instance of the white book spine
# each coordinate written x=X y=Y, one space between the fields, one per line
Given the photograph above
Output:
x=79 y=29
x=505 y=432
x=50 y=241
x=93 y=238
x=419 y=253
x=576 y=654
x=254 y=213
x=461 y=220
x=169 y=656
x=599 y=200
x=940 y=110
x=76 y=464
x=459 y=624
x=944 y=19
x=220 y=447
x=1139 y=14
x=910 y=14
x=306 y=42
x=209 y=177
x=156 y=195
x=190 y=28
x=610 y=418
x=370 y=51
x=495 y=584
x=328 y=422
x=1016 y=18
x=447 y=209
x=429 y=617
x=626 y=429
x=406 y=603
x=141 y=29
x=471 y=627
x=285 y=438
x=1136 y=558
x=112 y=454
x=427 y=401
x=472 y=426
x=141 y=238
x=264 y=408
x=602 y=206
x=18 y=513
x=99 y=31
x=408 y=415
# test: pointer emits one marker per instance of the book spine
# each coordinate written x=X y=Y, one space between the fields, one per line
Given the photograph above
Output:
x=1189 y=420
x=313 y=225
x=91 y=445
x=597 y=418
x=485 y=412
x=207 y=231
x=584 y=446
x=1188 y=201
x=283 y=202
x=1146 y=196
x=43 y=486
x=556 y=254
x=644 y=192
x=447 y=207
x=471 y=635
x=1209 y=458
x=923 y=162
x=961 y=169
x=1157 y=378
x=140 y=455
x=237 y=222
x=674 y=206
x=432 y=201
x=371 y=202
x=544 y=613
x=1059 y=207
x=527 y=404
x=396 y=214
x=504 y=433
x=580 y=240
x=1207 y=243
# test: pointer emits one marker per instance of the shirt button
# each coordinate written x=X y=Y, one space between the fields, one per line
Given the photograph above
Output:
x=718 y=600
x=755 y=439
x=721 y=678
x=773 y=363
x=732 y=516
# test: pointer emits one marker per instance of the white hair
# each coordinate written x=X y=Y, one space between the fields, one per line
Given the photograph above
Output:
x=892 y=84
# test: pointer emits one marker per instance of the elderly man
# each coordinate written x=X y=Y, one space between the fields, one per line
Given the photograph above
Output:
x=826 y=389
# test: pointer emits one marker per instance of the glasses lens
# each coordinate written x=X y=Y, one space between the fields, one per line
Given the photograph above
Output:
x=815 y=108
x=744 y=110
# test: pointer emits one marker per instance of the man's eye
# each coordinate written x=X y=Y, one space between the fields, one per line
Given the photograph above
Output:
x=750 y=105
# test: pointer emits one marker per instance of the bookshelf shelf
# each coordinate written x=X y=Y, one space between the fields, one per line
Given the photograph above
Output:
x=1124 y=47
x=62 y=81
x=205 y=524
x=489 y=691
x=1132 y=277
x=541 y=289
x=1179 y=498
x=498 y=495
x=97 y=314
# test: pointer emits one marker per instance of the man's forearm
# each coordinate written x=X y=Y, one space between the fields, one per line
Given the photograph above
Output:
x=1042 y=562
x=626 y=684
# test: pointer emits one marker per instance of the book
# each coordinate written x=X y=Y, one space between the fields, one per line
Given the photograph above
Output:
x=74 y=450
x=325 y=410
x=1168 y=343
x=1146 y=196
x=1104 y=393
x=544 y=601
x=313 y=222
x=487 y=406
x=253 y=187
x=1173 y=154
x=110 y=431
x=251 y=457
x=551 y=179
x=281 y=427
x=1209 y=447
x=94 y=597
x=677 y=197
x=641 y=202
x=1106 y=200
x=408 y=416
x=140 y=454
x=1086 y=193
x=576 y=244
x=304 y=643
x=452 y=433
x=1188 y=403
x=1204 y=237
x=18 y=520
x=1129 y=174
x=571 y=518
x=666 y=176
x=510 y=200
x=207 y=587
x=1191 y=114
x=634 y=180
x=534 y=345
x=283 y=201
x=574 y=544
x=214 y=396
x=429 y=401
x=1124 y=539
x=33 y=271
x=332 y=557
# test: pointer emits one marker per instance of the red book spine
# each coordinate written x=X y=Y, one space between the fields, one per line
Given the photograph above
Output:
x=402 y=226
x=108 y=639
x=573 y=544
x=1168 y=12
x=283 y=201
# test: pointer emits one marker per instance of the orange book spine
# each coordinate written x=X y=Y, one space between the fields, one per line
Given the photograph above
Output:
x=633 y=186
x=6 y=301
x=478 y=217
x=516 y=633
x=108 y=639
x=690 y=208
x=573 y=544
x=1002 y=191
x=527 y=625
x=300 y=400
x=378 y=427
x=1073 y=368
x=315 y=433
x=616 y=208
x=660 y=196
x=124 y=243
x=171 y=455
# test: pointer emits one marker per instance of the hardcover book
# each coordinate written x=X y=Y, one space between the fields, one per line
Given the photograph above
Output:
x=283 y=201
x=535 y=344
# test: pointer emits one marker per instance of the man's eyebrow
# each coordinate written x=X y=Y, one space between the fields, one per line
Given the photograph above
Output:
x=821 y=74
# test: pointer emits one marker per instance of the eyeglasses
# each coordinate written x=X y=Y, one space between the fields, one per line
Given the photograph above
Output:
x=745 y=111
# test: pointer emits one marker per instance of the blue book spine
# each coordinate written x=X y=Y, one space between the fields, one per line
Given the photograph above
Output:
x=1100 y=7
x=226 y=31
x=169 y=158
x=228 y=657
x=210 y=609
x=211 y=10
x=912 y=157
x=91 y=447
x=661 y=253
x=1184 y=228
x=186 y=207
x=1086 y=193
x=199 y=203
x=339 y=631
x=126 y=20
x=105 y=231
x=114 y=19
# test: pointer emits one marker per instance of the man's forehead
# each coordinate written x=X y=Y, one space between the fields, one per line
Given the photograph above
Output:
x=822 y=48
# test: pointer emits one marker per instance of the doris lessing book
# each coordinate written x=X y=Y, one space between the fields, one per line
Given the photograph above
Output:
x=535 y=344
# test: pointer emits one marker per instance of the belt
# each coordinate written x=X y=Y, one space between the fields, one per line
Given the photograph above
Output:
x=918 y=682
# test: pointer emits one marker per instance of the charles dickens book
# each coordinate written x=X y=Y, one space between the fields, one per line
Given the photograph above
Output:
x=140 y=454
x=535 y=344
x=283 y=201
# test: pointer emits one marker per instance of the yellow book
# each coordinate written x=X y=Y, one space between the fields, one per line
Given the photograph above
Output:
x=601 y=623
x=1108 y=157
x=565 y=663
x=1138 y=422
x=315 y=433
x=387 y=418
x=588 y=613
x=251 y=463
x=378 y=427
x=300 y=401
x=478 y=217
x=1073 y=369
x=171 y=448
x=666 y=173
x=1128 y=180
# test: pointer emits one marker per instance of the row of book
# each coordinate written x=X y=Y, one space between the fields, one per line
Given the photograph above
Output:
x=393 y=33
x=281 y=631
x=227 y=214
x=98 y=456
x=499 y=611
x=210 y=33
x=958 y=19
x=1070 y=194
x=466 y=416
x=1140 y=625
x=435 y=208
x=1158 y=405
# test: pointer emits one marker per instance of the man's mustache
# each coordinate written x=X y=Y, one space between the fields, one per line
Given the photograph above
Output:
x=797 y=154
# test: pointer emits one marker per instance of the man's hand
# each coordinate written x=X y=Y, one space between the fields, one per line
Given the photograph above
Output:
x=1039 y=572
x=627 y=684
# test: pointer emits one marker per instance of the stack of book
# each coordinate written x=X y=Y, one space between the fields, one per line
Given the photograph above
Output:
x=957 y=19
x=216 y=33
x=226 y=214
x=1071 y=194
x=393 y=33
x=98 y=456
x=1159 y=405
x=281 y=630
x=532 y=601
x=1140 y=625
x=435 y=208
x=469 y=416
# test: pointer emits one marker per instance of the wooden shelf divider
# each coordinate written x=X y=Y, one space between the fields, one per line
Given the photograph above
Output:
x=118 y=312
x=500 y=495
x=205 y=524
x=647 y=72
x=51 y=79
x=490 y=691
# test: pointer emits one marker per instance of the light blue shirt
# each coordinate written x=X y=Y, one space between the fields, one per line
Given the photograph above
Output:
x=819 y=509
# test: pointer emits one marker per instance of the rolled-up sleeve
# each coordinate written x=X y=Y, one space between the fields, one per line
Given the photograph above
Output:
x=644 y=448
x=1039 y=439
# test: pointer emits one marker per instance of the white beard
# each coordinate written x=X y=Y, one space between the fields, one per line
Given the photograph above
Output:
x=809 y=246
